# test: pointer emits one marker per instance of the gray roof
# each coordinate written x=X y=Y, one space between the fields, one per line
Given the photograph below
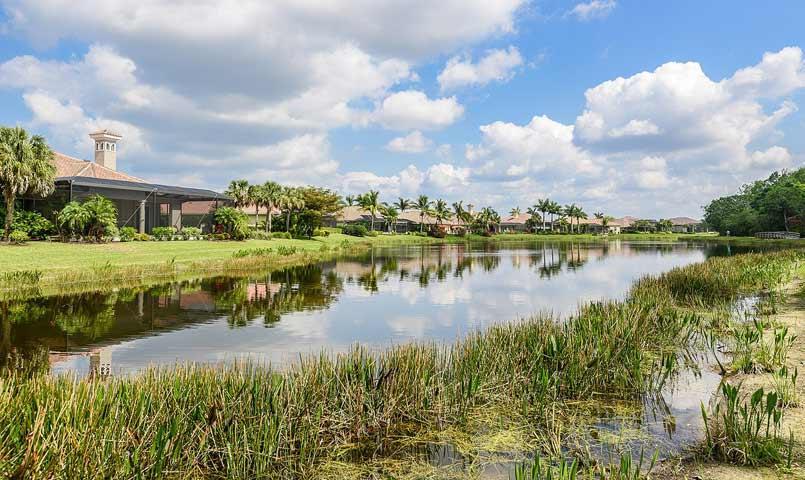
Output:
x=165 y=190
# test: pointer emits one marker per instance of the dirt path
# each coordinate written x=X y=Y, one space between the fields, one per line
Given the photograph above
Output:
x=791 y=314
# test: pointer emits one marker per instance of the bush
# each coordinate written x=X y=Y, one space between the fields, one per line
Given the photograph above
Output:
x=285 y=250
x=257 y=234
x=253 y=252
x=127 y=234
x=163 y=233
x=32 y=223
x=18 y=237
x=142 y=237
x=355 y=230
x=96 y=218
x=437 y=231
x=191 y=232
x=234 y=222
x=285 y=235
x=320 y=232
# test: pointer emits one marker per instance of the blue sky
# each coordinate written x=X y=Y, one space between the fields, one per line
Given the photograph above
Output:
x=629 y=107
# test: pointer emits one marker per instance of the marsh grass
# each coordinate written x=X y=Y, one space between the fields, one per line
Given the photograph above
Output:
x=362 y=407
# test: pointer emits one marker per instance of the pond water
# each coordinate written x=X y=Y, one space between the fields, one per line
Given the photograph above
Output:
x=389 y=296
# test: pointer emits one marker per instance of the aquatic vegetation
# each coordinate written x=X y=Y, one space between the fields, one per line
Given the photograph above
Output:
x=745 y=432
x=253 y=252
x=786 y=387
x=754 y=352
x=564 y=469
x=254 y=421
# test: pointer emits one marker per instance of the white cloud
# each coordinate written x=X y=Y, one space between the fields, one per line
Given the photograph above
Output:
x=447 y=178
x=497 y=65
x=593 y=9
x=414 y=142
x=412 y=109
x=635 y=128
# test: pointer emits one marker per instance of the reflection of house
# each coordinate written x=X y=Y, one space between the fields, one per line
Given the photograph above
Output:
x=140 y=204
x=686 y=225
x=515 y=223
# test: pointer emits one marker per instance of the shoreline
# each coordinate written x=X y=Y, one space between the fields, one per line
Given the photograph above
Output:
x=46 y=269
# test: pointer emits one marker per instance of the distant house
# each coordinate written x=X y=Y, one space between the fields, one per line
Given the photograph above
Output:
x=596 y=226
x=686 y=225
x=515 y=223
x=408 y=221
x=140 y=204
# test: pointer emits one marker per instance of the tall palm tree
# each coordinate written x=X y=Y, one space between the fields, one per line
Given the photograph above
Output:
x=543 y=206
x=441 y=211
x=580 y=215
x=462 y=214
x=254 y=194
x=272 y=192
x=392 y=214
x=570 y=211
x=423 y=203
x=26 y=167
x=554 y=209
x=534 y=212
x=599 y=215
x=403 y=204
x=291 y=200
x=371 y=202
x=488 y=217
x=239 y=191
x=350 y=199
x=515 y=212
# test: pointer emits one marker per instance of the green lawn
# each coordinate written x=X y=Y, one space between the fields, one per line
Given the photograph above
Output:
x=50 y=256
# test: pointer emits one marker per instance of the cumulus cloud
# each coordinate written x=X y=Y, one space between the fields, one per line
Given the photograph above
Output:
x=593 y=9
x=414 y=142
x=497 y=65
x=412 y=109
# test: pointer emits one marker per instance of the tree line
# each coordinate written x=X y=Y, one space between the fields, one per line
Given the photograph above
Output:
x=774 y=204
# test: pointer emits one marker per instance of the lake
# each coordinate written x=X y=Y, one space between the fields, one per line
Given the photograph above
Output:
x=385 y=297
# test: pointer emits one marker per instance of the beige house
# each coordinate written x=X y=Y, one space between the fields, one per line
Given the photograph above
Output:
x=686 y=225
x=515 y=223
x=596 y=226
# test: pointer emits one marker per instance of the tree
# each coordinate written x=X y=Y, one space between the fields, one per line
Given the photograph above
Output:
x=423 y=203
x=554 y=209
x=487 y=219
x=664 y=225
x=370 y=202
x=291 y=200
x=403 y=204
x=570 y=211
x=391 y=214
x=26 y=167
x=255 y=197
x=239 y=191
x=783 y=199
x=515 y=212
x=317 y=203
x=441 y=211
x=462 y=214
x=272 y=193
x=544 y=206
x=350 y=200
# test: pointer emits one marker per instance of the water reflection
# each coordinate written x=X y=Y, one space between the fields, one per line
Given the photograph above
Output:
x=380 y=298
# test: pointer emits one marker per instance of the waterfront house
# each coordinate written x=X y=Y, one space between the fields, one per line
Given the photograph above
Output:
x=140 y=204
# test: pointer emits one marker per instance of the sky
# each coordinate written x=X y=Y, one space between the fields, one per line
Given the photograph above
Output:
x=628 y=107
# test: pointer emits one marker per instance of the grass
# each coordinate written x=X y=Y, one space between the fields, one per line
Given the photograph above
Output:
x=364 y=408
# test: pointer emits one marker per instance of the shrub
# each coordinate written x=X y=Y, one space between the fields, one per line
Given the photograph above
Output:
x=127 y=234
x=142 y=237
x=72 y=220
x=285 y=250
x=355 y=230
x=257 y=234
x=32 y=223
x=18 y=237
x=253 y=252
x=191 y=232
x=163 y=233
x=437 y=231
x=320 y=232
x=234 y=222
x=285 y=235
x=102 y=216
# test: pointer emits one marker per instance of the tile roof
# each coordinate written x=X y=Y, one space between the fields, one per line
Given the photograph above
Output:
x=684 y=221
x=518 y=220
x=67 y=166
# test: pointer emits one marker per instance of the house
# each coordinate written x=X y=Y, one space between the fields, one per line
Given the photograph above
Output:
x=596 y=226
x=516 y=223
x=686 y=225
x=140 y=204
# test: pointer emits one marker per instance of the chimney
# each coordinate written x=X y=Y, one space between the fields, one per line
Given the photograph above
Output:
x=106 y=148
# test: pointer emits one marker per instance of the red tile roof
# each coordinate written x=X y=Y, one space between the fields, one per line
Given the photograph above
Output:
x=67 y=166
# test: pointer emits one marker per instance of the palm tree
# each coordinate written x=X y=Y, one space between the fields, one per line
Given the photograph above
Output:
x=392 y=214
x=462 y=214
x=554 y=209
x=272 y=192
x=403 y=204
x=290 y=201
x=26 y=167
x=544 y=206
x=534 y=212
x=599 y=215
x=255 y=197
x=441 y=211
x=569 y=211
x=239 y=191
x=580 y=215
x=488 y=217
x=350 y=199
x=423 y=203
x=515 y=212
x=370 y=201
